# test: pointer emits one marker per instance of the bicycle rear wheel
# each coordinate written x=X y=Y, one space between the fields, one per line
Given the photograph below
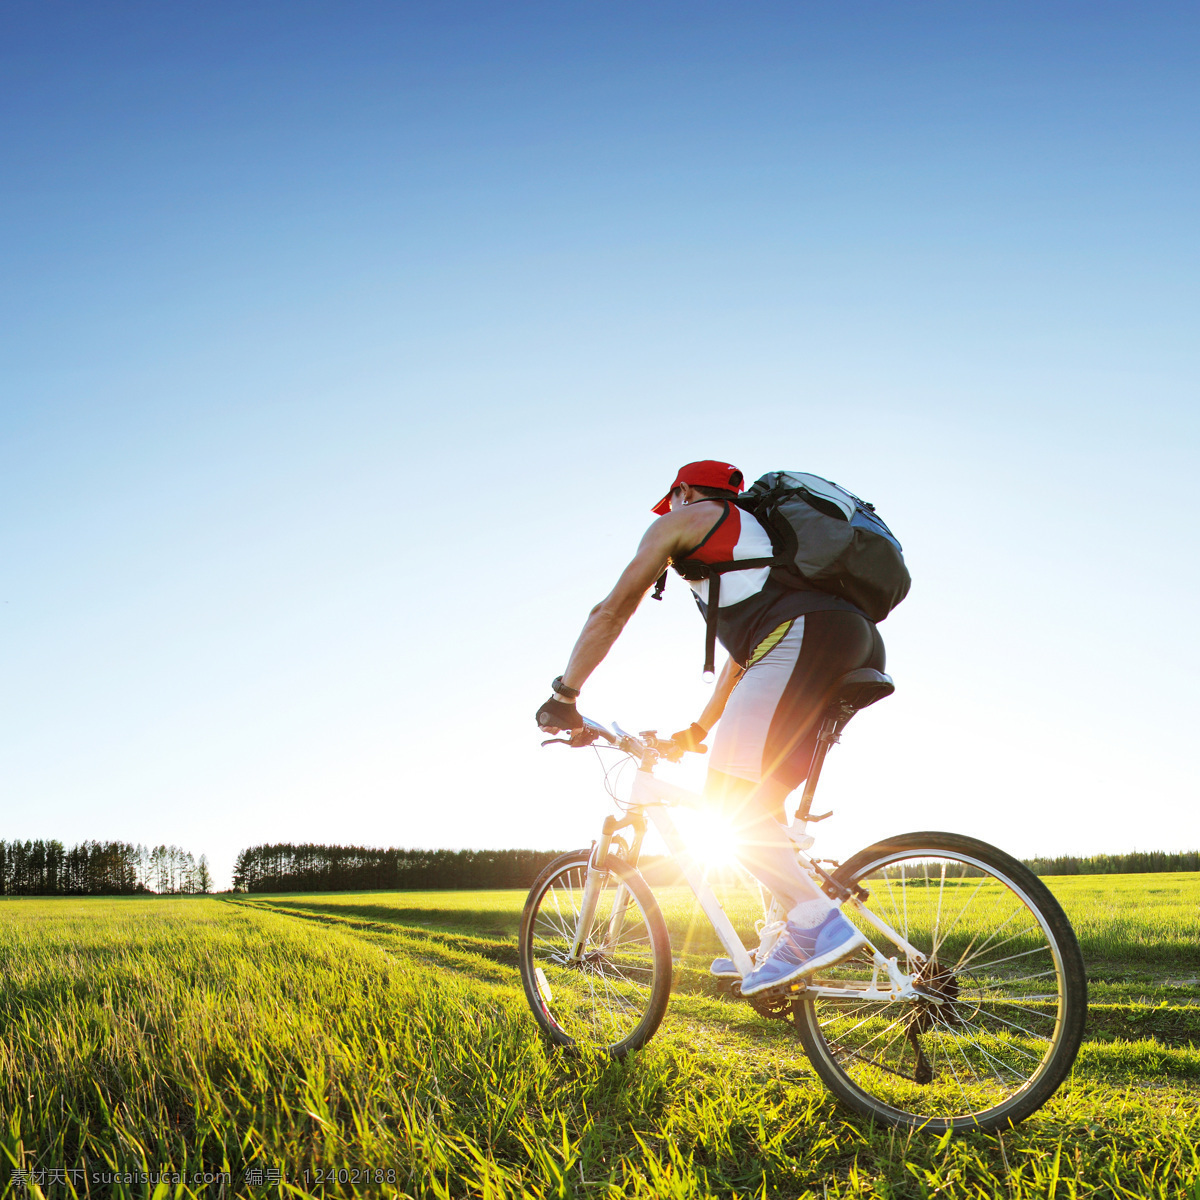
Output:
x=1004 y=991
x=611 y=997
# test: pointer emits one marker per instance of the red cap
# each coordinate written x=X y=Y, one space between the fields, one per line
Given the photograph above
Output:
x=706 y=473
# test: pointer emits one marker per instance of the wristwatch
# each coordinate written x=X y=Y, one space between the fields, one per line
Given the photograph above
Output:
x=561 y=690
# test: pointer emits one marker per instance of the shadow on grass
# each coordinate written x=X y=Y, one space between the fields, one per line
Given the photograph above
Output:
x=483 y=922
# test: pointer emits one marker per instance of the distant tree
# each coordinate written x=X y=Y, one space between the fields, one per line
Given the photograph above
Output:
x=241 y=871
x=48 y=868
x=309 y=867
x=1136 y=862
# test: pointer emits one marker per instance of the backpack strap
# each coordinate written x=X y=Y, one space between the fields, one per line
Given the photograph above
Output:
x=713 y=572
x=694 y=570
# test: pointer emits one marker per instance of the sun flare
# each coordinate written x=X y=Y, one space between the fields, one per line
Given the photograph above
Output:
x=709 y=838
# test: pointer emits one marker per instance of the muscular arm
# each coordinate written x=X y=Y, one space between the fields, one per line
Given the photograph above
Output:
x=668 y=537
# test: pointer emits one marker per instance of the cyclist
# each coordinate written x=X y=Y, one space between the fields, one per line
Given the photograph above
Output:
x=787 y=647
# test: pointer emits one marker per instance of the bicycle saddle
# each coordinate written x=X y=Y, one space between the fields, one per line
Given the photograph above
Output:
x=858 y=689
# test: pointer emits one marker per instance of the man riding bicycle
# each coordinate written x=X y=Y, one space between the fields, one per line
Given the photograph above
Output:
x=788 y=644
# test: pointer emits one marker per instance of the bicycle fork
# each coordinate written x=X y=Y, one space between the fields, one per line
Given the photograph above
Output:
x=587 y=908
x=596 y=877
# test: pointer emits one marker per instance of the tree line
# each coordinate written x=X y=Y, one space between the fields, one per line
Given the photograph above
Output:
x=287 y=867
x=48 y=868
x=1137 y=862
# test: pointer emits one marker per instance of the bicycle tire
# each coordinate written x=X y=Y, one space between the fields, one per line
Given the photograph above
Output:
x=634 y=977
x=973 y=1022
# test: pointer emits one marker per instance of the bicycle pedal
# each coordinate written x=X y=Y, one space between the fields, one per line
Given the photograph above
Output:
x=784 y=991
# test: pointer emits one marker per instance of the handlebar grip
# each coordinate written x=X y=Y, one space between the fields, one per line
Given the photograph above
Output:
x=577 y=738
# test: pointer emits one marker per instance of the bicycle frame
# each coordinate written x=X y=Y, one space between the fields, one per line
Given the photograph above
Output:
x=654 y=798
x=968 y=1032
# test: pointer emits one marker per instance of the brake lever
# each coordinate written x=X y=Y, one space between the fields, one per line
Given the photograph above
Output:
x=580 y=739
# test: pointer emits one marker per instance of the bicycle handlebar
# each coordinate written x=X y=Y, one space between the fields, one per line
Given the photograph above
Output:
x=646 y=743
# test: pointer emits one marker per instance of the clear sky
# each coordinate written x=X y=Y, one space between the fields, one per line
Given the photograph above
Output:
x=344 y=348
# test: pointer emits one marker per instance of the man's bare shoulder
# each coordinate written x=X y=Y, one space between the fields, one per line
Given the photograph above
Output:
x=681 y=528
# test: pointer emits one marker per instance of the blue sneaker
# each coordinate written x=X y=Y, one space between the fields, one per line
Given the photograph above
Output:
x=802 y=951
x=768 y=933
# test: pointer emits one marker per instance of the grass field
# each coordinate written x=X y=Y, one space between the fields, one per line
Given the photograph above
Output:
x=387 y=1033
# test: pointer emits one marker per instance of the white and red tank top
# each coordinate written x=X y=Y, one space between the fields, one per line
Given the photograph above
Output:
x=736 y=535
x=753 y=603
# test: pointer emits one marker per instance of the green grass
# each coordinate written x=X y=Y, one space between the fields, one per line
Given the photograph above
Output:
x=309 y=1033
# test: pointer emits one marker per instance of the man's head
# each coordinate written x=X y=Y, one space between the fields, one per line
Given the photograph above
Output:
x=705 y=478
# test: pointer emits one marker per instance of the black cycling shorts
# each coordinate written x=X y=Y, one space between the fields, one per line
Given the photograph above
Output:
x=770 y=725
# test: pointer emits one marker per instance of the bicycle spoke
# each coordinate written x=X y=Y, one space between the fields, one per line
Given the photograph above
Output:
x=880 y=1034
x=962 y=1091
x=560 y=929
x=846 y=1033
x=965 y=905
x=1012 y=916
x=601 y=997
x=997 y=961
x=839 y=1014
x=1019 y=1028
x=1017 y=1075
x=977 y=1036
x=937 y=920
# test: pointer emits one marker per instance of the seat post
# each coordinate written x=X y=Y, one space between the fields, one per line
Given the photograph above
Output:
x=830 y=732
x=856 y=689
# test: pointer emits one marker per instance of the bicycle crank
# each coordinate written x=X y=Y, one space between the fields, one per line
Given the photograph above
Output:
x=775 y=1002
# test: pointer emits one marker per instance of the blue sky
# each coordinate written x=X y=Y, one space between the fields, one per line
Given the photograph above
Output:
x=345 y=347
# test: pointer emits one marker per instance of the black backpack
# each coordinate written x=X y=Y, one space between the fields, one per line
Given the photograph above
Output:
x=823 y=537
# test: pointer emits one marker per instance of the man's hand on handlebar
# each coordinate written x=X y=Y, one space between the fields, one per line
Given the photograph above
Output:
x=556 y=716
x=587 y=732
x=690 y=738
x=579 y=738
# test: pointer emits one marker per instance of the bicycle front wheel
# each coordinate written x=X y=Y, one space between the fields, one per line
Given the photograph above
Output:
x=612 y=996
x=1003 y=991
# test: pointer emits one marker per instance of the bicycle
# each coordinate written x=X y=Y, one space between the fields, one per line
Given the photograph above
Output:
x=965 y=1010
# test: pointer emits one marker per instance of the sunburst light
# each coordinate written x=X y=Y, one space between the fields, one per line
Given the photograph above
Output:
x=709 y=838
